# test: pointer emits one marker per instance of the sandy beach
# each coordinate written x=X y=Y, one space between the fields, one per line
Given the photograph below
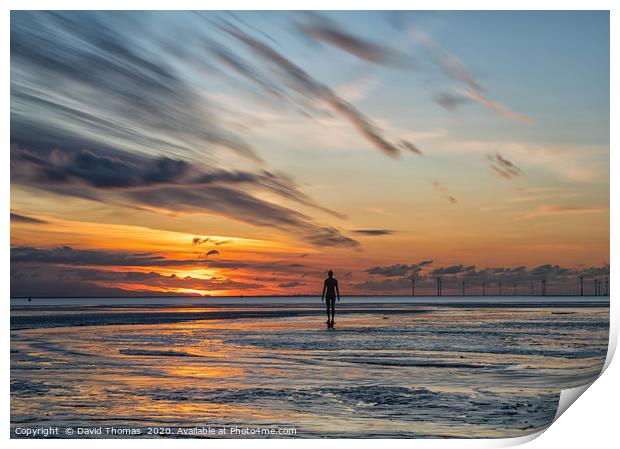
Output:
x=390 y=368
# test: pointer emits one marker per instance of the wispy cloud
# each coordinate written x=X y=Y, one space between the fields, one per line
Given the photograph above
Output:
x=66 y=255
x=307 y=86
x=454 y=68
x=172 y=185
x=582 y=163
x=373 y=232
x=496 y=106
x=291 y=284
x=443 y=192
x=554 y=210
x=533 y=194
x=447 y=61
x=400 y=269
x=71 y=271
x=199 y=240
x=17 y=218
x=357 y=89
x=53 y=280
x=450 y=101
x=117 y=99
x=110 y=89
x=503 y=167
x=329 y=32
x=79 y=257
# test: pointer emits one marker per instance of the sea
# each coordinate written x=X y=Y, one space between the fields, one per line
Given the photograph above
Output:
x=268 y=367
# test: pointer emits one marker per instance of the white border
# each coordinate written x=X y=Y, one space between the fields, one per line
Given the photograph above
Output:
x=588 y=422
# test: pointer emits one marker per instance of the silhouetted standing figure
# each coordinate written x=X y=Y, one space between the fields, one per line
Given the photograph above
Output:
x=330 y=293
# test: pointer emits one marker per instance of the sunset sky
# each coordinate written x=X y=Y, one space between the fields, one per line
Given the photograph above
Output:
x=247 y=153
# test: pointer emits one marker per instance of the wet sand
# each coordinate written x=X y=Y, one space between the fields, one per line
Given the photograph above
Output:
x=474 y=369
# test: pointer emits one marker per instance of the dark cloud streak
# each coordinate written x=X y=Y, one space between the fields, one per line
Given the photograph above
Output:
x=97 y=63
x=373 y=232
x=17 y=218
x=449 y=101
x=173 y=185
x=326 y=31
x=308 y=86
x=503 y=167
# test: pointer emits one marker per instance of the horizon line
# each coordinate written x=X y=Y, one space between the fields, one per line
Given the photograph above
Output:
x=303 y=296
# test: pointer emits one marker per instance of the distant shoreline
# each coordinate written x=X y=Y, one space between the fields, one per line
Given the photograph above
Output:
x=147 y=314
x=306 y=296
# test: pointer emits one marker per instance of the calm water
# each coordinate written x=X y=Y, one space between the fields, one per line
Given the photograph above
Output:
x=464 y=367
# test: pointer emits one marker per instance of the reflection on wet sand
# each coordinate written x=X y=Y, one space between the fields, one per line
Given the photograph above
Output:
x=441 y=371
